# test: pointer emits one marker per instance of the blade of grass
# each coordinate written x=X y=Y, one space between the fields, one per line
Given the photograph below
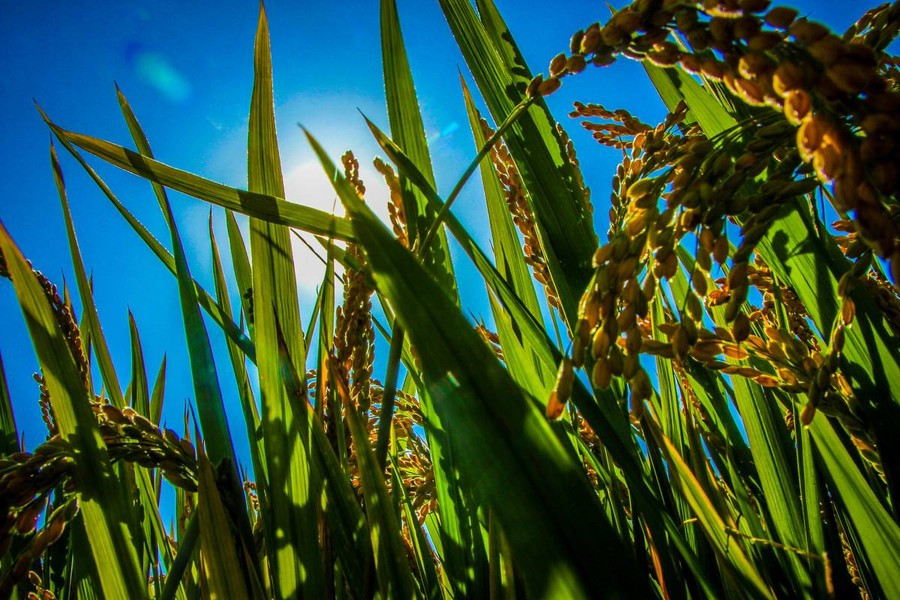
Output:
x=878 y=532
x=292 y=515
x=604 y=417
x=151 y=524
x=811 y=497
x=241 y=263
x=208 y=394
x=205 y=299
x=159 y=392
x=560 y=212
x=460 y=370
x=774 y=455
x=104 y=360
x=395 y=352
x=429 y=582
x=409 y=133
x=267 y=207
x=346 y=522
x=392 y=568
x=533 y=375
x=9 y=434
x=187 y=543
x=218 y=546
x=242 y=378
x=508 y=254
x=140 y=388
x=106 y=516
x=670 y=409
x=714 y=526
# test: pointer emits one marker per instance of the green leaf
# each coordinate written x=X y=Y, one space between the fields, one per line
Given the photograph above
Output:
x=9 y=435
x=346 y=522
x=429 y=582
x=208 y=394
x=218 y=545
x=508 y=254
x=187 y=543
x=159 y=392
x=392 y=568
x=567 y=548
x=140 y=391
x=241 y=263
x=408 y=132
x=242 y=378
x=714 y=526
x=104 y=360
x=151 y=522
x=564 y=225
x=533 y=375
x=268 y=207
x=106 y=516
x=206 y=301
x=604 y=417
x=291 y=521
x=878 y=532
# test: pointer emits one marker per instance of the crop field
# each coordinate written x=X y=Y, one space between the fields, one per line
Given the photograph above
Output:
x=688 y=386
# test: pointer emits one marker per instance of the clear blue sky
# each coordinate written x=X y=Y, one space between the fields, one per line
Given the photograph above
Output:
x=186 y=68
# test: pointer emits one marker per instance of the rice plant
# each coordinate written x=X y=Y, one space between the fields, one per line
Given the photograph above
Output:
x=714 y=416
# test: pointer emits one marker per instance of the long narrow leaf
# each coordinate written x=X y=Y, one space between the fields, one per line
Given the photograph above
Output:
x=218 y=550
x=567 y=549
x=291 y=518
x=9 y=434
x=559 y=207
x=264 y=206
x=106 y=516
x=107 y=370
x=409 y=133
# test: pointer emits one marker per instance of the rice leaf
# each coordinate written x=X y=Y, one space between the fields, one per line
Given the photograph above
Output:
x=106 y=516
x=568 y=548
x=877 y=531
x=208 y=394
x=187 y=543
x=811 y=496
x=242 y=378
x=559 y=208
x=346 y=522
x=9 y=434
x=428 y=580
x=104 y=360
x=392 y=568
x=140 y=390
x=290 y=524
x=528 y=371
x=671 y=419
x=218 y=544
x=206 y=301
x=267 y=207
x=408 y=132
x=604 y=417
x=714 y=526
x=151 y=523
x=159 y=392
x=240 y=261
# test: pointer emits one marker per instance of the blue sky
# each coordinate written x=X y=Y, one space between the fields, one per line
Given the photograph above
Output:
x=187 y=71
